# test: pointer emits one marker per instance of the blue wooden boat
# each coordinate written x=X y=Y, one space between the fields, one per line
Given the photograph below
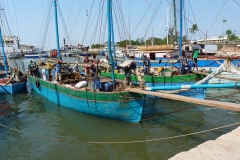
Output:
x=10 y=84
x=121 y=105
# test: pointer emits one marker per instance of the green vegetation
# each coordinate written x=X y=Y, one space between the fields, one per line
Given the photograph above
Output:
x=97 y=46
x=231 y=36
x=193 y=29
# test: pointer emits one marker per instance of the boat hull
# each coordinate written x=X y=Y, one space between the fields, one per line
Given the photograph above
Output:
x=36 y=56
x=13 y=88
x=151 y=81
x=113 y=105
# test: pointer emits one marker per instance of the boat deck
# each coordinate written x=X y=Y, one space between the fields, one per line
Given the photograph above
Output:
x=225 y=147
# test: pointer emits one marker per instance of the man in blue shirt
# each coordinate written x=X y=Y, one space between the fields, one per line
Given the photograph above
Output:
x=146 y=65
x=185 y=67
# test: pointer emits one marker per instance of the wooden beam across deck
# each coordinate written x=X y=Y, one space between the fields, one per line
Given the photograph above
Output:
x=211 y=103
x=221 y=77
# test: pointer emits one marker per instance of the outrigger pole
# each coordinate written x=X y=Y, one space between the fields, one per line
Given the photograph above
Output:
x=57 y=35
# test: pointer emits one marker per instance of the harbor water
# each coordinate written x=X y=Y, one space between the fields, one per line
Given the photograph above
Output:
x=34 y=128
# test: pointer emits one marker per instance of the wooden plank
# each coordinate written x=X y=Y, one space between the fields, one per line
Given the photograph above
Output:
x=221 y=77
x=217 y=104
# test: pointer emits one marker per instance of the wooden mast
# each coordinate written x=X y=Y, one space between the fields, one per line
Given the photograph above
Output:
x=109 y=40
x=3 y=52
x=56 y=25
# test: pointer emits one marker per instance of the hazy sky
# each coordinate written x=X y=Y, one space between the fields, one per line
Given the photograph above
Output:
x=27 y=19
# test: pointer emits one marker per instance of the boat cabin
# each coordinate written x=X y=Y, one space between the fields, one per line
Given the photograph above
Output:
x=156 y=55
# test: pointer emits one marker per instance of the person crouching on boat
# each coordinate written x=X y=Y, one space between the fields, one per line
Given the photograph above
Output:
x=33 y=68
x=184 y=62
x=128 y=71
x=146 y=65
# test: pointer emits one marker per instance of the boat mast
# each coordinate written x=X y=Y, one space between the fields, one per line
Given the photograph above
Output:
x=3 y=53
x=114 y=49
x=167 y=23
x=175 y=20
x=57 y=35
x=109 y=40
x=180 y=34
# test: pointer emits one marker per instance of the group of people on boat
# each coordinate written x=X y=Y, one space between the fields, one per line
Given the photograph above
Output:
x=185 y=66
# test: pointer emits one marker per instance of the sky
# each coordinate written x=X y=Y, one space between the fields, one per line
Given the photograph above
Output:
x=85 y=20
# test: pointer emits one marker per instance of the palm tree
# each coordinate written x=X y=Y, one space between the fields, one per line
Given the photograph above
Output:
x=228 y=33
x=193 y=29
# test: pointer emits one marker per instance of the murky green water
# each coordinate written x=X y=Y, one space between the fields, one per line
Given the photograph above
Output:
x=36 y=128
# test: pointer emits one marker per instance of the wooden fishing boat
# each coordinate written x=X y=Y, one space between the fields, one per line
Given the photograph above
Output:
x=121 y=105
x=9 y=86
x=117 y=104
x=10 y=83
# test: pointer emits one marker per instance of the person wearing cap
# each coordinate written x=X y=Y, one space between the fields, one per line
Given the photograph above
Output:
x=128 y=71
x=196 y=50
x=146 y=65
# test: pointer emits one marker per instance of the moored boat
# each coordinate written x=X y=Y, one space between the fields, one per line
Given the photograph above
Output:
x=108 y=103
x=122 y=105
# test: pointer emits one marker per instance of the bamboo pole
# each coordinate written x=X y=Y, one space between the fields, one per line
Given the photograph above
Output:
x=211 y=103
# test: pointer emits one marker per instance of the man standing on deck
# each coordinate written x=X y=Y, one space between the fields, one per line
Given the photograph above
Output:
x=58 y=71
x=196 y=50
x=146 y=65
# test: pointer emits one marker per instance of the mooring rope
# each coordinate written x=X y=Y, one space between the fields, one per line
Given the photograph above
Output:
x=123 y=142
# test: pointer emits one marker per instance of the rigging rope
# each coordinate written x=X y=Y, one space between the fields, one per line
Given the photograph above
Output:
x=218 y=14
x=64 y=24
x=142 y=19
x=232 y=11
x=119 y=142
x=236 y=3
x=152 y=18
x=48 y=17
x=16 y=17
x=77 y=16
x=87 y=24
x=97 y=24
x=5 y=20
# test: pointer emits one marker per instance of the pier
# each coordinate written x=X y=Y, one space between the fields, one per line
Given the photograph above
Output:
x=226 y=147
